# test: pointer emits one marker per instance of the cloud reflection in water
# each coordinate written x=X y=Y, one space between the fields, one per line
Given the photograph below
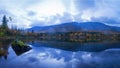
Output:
x=42 y=57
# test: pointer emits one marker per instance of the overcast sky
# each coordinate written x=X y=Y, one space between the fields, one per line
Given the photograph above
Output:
x=28 y=13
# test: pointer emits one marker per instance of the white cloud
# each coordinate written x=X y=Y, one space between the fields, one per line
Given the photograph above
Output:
x=27 y=13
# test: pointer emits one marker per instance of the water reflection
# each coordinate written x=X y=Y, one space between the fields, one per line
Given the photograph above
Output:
x=4 y=45
x=20 y=49
x=77 y=46
x=42 y=57
x=54 y=54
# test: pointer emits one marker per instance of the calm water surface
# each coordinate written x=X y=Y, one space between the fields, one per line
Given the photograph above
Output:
x=54 y=54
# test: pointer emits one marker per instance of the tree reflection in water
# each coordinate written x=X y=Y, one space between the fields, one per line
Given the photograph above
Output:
x=4 y=46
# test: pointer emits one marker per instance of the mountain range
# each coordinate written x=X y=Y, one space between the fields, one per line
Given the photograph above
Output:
x=75 y=26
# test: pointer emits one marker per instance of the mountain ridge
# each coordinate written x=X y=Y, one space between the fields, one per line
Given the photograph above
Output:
x=75 y=26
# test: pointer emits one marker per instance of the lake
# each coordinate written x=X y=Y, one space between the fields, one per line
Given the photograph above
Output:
x=61 y=54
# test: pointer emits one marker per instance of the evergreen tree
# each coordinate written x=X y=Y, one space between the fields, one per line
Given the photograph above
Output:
x=4 y=22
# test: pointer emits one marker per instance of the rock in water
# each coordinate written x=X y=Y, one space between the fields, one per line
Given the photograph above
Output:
x=19 y=47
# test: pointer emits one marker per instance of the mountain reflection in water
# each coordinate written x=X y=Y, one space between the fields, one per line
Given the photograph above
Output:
x=54 y=54
x=76 y=46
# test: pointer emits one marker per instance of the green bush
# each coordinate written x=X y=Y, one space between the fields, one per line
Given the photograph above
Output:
x=1 y=33
x=18 y=43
